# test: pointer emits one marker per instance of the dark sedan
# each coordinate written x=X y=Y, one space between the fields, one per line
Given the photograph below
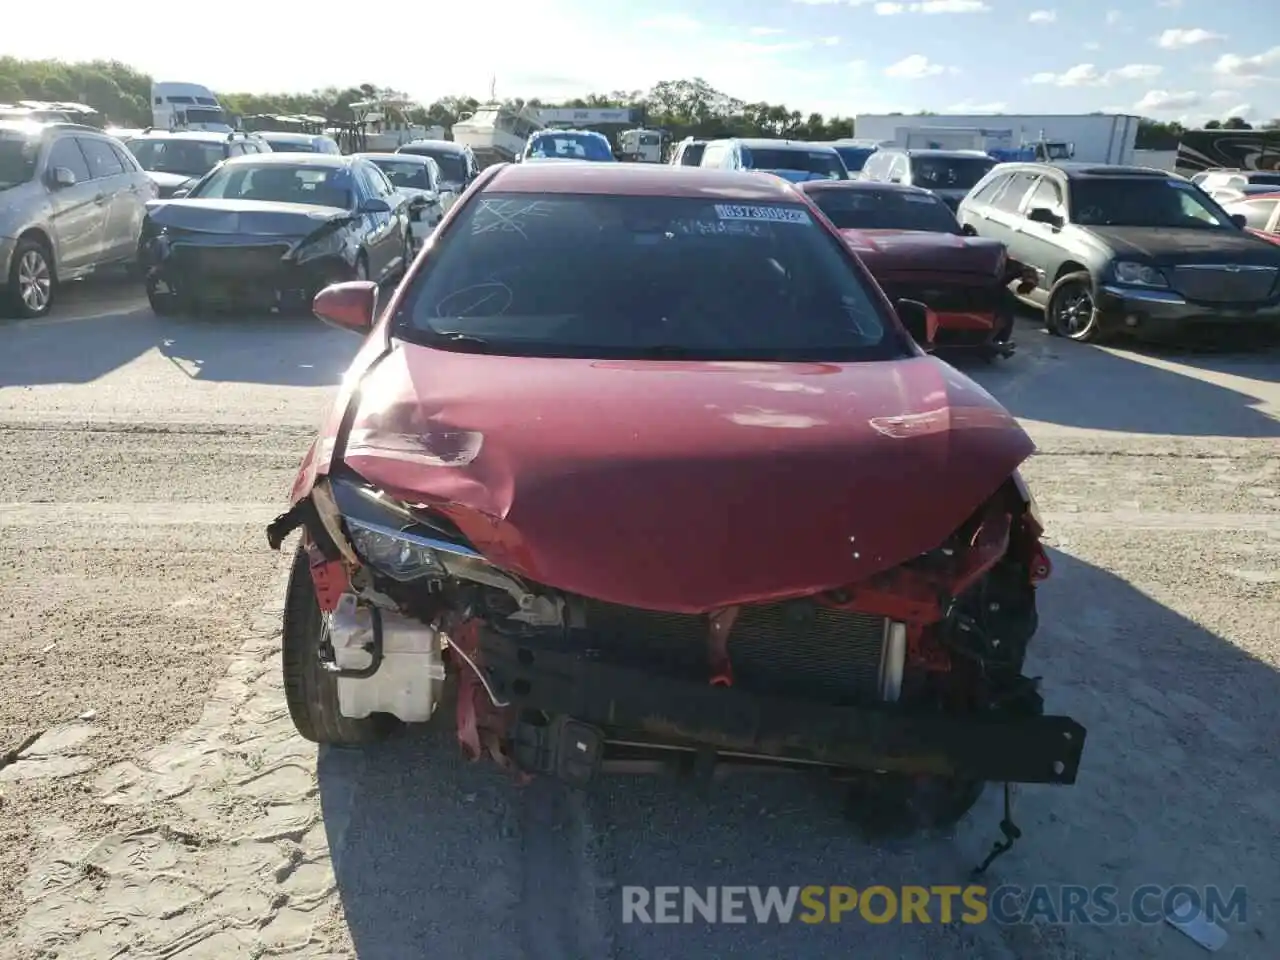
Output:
x=270 y=231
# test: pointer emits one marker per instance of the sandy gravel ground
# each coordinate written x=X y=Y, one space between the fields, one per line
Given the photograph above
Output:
x=166 y=809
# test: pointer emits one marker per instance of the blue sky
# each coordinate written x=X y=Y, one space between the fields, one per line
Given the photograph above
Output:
x=1171 y=59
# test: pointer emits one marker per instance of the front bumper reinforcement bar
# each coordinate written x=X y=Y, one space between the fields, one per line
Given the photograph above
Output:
x=626 y=700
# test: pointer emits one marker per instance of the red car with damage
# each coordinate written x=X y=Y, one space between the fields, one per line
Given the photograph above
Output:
x=643 y=461
x=914 y=246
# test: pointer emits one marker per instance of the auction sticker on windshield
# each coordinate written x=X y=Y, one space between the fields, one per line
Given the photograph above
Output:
x=773 y=214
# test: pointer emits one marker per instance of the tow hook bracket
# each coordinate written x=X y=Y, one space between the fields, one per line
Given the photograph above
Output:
x=565 y=748
x=1010 y=831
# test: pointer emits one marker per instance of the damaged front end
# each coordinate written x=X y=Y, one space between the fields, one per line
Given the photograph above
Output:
x=196 y=260
x=912 y=677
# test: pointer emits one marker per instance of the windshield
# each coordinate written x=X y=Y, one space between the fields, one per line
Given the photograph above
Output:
x=645 y=278
x=405 y=173
x=204 y=115
x=568 y=146
x=1271 y=178
x=291 y=146
x=949 y=173
x=885 y=210
x=820 y=164
x=1147 y=202
x=280 y=183
x=453 y=169
x=17 y=158
x=191 y=158
x=854 y=157
x=692 y=156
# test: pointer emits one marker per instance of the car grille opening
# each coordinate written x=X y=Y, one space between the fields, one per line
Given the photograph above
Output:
x=795 y=649
x=945 y=297
x=1225 y=283
x=238 y=263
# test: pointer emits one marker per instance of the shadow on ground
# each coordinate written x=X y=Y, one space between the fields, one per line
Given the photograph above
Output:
x=1057 y=381
x=1179 y=785
x=268 y=349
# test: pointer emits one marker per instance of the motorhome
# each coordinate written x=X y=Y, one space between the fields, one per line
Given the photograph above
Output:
x=642 y=146
x=187 y=106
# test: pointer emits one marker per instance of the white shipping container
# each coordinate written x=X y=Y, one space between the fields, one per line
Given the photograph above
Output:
x=1098 y=138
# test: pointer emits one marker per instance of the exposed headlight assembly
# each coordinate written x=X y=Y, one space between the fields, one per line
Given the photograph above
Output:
x=399 y=544
x=1139 y=274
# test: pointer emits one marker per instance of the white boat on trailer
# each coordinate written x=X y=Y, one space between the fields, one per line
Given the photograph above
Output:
x=496 y=132
x=384 y=125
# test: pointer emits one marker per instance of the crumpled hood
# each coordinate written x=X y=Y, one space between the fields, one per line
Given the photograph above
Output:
x=899 y=250
x=685 y=486
x=258 y=218
x=1170 y=246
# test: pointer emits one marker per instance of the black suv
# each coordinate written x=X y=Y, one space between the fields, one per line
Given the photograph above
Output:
x=1125 y=250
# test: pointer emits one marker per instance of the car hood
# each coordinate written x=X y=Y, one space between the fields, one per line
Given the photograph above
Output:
x=257 y=218
x=795 y=176
x=685 y=486
x=897 y=250
x=1187 y=246
x=170 y=181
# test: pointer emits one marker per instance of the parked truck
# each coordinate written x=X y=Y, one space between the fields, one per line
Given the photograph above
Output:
x=1090 y=138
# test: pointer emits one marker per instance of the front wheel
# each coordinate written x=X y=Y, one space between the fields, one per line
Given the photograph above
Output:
x=309 y=690
x=1071 y=311
x=32 y=284
x=896 y=806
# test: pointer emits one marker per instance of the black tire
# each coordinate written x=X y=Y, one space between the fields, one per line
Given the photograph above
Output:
x=311 y=692
x=31 y=262
x=162 y=304
x=409 y=252
x=1071 y=311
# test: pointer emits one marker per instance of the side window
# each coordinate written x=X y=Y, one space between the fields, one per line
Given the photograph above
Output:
x=874 y=166
x=1011 y=198
x=103 y=161
x=714 y=153
x=65 y=153
x=378 y=181
x=126 y=158
x=988 y=193
x=235 y=150
x=1257 y=213
x=1047 y=194
x=901 y=169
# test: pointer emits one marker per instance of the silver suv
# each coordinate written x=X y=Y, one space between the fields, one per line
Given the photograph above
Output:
x=72 y=199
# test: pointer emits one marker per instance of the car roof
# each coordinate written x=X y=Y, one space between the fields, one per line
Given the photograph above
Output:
x=448 y=145
x=41 y=126
x=398 y=157
x=1080 y=170
x=293 y=159
x=554 y=131
x=289 y=135
x=765 y=143
x=208 y=136
x=935 y=152
x=872 y=186
x=641 y=180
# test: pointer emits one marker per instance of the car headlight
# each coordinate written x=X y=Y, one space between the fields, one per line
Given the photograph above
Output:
x=1033 y=508
x=1139 y=274
x=392 y=539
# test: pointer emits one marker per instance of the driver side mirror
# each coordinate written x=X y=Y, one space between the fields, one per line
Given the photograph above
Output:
x=920 y=321
x=63 y=177
x=375 y=205
x=348 y=306
x=180 y=193
x=1046 y=216
x=1239 y=220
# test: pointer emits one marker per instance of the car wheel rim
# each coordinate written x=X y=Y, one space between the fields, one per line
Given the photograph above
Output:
x=1075 y=311
x=34 y=281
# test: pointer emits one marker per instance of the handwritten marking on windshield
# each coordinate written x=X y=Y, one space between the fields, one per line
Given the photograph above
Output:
x=506 y=216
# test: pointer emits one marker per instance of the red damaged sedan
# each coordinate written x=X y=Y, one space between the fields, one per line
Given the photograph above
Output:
x=642 y=463
x=914 y=246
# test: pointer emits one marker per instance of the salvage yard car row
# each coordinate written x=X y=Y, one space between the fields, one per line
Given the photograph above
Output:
x=77 y=200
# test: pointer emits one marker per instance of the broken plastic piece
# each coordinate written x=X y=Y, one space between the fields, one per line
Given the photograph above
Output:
x=1198 y=927
x=1010 y=831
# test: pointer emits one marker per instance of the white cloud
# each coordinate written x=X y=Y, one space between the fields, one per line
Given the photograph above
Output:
x=1170 y=4
x=1042 y=16
x=933 y=6
x=672 y=23
x=1248 y=69
x=1113 y=17
x=829 y=41
x=1243 y=111
x=1088 y=75
x=1166 y=101
x=915 y=67
x=764 y=31
x=1179 y=37
x=969 y=107
x=1093 y=45
x=1222 y=95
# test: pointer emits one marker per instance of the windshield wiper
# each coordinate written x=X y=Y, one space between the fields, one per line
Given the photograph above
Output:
x=667 y=351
